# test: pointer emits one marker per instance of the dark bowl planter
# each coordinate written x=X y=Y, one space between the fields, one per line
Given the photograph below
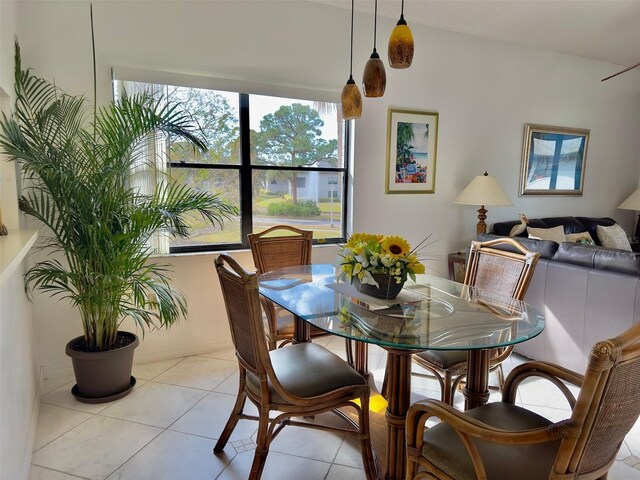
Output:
x=387 y=287
x=103 y=376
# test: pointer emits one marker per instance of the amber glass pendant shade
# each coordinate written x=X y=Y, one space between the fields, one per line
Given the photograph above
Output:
x=351 y=100
x=401 y=45
x=374 y=78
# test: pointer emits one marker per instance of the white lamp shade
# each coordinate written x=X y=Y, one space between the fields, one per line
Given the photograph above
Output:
x=483 y=190
x=633 y=202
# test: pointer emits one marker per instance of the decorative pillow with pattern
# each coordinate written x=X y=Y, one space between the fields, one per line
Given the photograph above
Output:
x=613 y=237
x=584 y=238
x=555 y=234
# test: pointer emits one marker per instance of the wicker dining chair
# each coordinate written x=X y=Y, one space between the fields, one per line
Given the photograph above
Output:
x=280 y=246
x=494 y=271
x=301 y=380
x=501 y=441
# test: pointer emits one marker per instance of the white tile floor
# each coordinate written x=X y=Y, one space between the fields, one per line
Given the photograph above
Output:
x=166 y=429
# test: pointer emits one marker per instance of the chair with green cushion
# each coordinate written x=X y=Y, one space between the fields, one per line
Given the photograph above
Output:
x=502 y=441
x=495 y=271
x=301 y=380
x=278 y=247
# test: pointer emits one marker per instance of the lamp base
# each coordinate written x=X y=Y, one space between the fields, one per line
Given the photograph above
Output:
x=482 y=216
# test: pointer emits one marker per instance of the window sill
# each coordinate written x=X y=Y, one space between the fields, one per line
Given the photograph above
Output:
x=13 y=248
x=229 y=251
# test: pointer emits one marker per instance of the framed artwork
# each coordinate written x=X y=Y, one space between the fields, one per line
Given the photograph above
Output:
x=553 y=160
x=412 y=140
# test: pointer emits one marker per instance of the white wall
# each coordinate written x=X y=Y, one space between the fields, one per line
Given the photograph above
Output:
x=18 y=355
x=485 y=92
x=18 y=379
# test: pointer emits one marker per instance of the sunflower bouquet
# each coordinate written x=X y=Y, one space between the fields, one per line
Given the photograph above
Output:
x=366 y=255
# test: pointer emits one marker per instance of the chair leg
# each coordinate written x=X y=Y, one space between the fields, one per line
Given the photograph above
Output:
x=262 y=445
x=385 y=383
x=447 y=388
x=349 y=348
x=368 y=459
x=233 y=419
x=500 y=375
x=231 y=423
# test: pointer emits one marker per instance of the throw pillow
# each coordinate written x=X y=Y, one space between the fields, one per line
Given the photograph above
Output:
x=555 y=234
x=613 y=237
x=583 y=238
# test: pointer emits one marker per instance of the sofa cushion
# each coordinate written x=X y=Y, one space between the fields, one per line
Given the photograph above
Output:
x=571 y=225
x=601 y=258
x=613 y=237
x=546 y=248
x=555 y=234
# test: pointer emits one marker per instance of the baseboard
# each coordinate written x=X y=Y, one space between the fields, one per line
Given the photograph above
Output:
x=65 y=369
x=181 y=351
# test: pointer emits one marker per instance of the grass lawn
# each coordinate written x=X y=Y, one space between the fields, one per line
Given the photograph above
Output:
x=325 y=207
x=231 y=233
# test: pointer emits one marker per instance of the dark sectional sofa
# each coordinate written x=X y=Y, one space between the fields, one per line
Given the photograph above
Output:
x=587 y=293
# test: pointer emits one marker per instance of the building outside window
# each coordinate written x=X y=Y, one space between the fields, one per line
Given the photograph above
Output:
x=279 y=160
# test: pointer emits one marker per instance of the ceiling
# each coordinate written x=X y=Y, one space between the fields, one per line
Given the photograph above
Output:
x=603 y=30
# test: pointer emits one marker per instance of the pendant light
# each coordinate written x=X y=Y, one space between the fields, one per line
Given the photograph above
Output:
x=351 y=99
x=374 y=78
x=401 y=44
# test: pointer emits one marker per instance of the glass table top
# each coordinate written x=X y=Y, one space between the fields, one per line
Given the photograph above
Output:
x=431 y=313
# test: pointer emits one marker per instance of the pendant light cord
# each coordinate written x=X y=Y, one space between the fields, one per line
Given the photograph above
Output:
x=375 y=24
x=351 y=59
x=95 y=76
x=402 y=10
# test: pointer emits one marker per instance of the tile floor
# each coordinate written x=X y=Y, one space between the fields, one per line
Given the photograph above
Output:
x=166 y=428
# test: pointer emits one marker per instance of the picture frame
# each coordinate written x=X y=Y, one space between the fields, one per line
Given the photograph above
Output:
x=553 y=160
x=412 y=144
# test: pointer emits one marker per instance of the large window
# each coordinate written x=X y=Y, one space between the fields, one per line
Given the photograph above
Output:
x=279 y=160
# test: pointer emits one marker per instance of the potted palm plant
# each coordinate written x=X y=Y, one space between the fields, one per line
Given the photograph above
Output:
x=77 y=163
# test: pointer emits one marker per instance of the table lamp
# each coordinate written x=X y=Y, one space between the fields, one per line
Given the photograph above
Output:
x=633 y=203
x=483 y=190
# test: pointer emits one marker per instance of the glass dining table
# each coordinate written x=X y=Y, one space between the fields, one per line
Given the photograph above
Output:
x=431 y=313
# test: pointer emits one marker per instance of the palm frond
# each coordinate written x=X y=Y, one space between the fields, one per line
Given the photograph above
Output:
x=77 y=176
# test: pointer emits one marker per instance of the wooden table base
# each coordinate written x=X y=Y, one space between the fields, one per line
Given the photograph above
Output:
x=399 y=391
x=388 y=427
x=476 y=389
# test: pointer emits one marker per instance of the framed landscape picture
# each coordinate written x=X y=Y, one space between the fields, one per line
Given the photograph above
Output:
x=553 y=160
x=412 y=140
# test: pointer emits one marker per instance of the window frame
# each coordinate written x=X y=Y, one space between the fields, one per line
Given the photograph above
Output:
x=245 y=171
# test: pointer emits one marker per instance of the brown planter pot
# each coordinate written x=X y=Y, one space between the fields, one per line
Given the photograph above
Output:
x=102 y=376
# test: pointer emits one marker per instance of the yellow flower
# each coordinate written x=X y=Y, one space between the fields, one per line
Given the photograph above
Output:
x=396 y=246
x=417 y=268
x=364 y=238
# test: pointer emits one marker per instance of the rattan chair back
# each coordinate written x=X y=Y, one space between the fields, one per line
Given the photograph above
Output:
x=280 y=246
x=499 y=271
x=607 y=407
x=240 y=293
